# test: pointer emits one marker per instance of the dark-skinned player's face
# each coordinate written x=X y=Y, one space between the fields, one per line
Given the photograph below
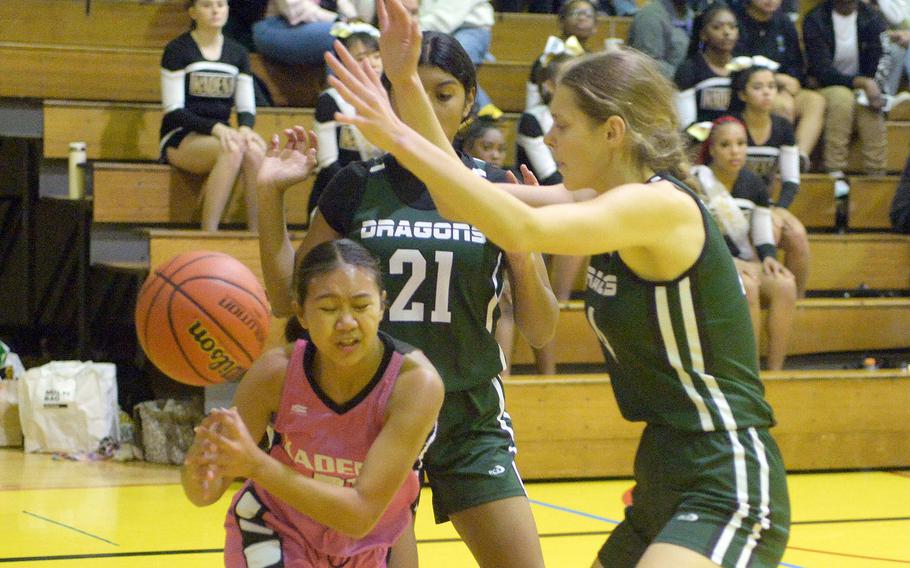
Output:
x=451 y=103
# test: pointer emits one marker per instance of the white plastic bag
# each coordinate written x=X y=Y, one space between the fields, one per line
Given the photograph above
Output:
x=11 y=371
x=68 y=406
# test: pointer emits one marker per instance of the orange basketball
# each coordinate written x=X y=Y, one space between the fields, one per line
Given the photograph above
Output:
x=202 y=318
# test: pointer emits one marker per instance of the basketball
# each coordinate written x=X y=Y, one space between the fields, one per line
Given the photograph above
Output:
x=202 y=318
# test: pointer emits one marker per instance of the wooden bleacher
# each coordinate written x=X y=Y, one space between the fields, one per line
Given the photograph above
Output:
x=152 y=25
x=870 y=199
x=129 y=131
x=570 y=426
x=820 y=326
x=153 y=194
x=45 y=71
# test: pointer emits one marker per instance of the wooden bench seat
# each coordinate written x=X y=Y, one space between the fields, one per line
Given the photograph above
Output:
x=44 y=71
x=820 y=326
x=519 y=37
x=149 y=194
x=570 y=425
x=129 y=131
x=870 y=196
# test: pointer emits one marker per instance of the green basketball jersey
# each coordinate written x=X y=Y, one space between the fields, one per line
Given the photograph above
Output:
x=443 y=279
x=680 y=353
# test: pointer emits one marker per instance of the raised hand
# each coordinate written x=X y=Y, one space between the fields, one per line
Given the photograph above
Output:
x=359 y=85
x=399 y=40
x=283 y=167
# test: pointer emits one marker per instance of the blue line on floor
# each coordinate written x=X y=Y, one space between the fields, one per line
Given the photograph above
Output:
x=66 y=526
x=574 y=512
x=606 y=520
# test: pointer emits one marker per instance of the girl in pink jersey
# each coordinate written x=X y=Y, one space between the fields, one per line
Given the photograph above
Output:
x=351 y=410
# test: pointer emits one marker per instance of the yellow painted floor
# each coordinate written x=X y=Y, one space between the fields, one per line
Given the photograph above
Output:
x=64 y=514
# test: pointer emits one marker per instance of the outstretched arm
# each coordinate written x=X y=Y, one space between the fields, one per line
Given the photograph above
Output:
x=627 y=216
x=281 y=168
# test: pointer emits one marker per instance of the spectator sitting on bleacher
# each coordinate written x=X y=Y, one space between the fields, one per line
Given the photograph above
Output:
x=577 y=23
x=468 y=21
x=766 y=30
x=483 y=139
x=738 y=199
x=900 y=206
x=341 y=144
x=896 y=57
x=703 y=79
x=662 y=29
x=772 y=154
x=296 y=32
x=204 y=74
x=843 y=49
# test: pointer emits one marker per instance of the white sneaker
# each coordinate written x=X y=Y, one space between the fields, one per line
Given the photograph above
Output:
x=891 y=101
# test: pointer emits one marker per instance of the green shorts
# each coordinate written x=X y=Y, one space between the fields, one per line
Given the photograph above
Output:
x=721 y=494
x=472 y=459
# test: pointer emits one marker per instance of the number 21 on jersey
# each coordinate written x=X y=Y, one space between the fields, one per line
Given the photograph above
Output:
x=403 y=308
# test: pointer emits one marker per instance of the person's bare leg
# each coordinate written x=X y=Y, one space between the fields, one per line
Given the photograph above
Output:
x=563 y=271
x=404 y=551
x=779 y=293
x=501 y=534
x=662 y=555
x=749 y=276
x=505 y=329
x=809 y=112
x=792 y=238
x=200 y=154
x=785 y=106
x=249 y=169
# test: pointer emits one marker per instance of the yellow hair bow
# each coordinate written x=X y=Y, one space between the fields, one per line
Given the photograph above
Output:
x=343 y=30
x=700 y=130
x=556 y=46
x=744 y=62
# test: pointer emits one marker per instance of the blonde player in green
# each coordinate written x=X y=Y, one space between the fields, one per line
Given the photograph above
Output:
x=663 y=296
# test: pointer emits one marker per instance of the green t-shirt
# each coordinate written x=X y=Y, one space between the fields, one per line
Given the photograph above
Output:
x=443 y=279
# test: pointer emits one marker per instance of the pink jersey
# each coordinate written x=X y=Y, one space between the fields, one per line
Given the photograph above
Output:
x=328 y=442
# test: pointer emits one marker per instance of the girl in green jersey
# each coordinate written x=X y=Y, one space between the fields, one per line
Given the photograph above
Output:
x=444 y=280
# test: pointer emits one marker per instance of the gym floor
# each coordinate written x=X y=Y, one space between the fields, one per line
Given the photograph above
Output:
x=64 y=514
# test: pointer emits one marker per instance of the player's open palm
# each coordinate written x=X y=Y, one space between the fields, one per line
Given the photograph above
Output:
x=399 y=40
x=284 y=166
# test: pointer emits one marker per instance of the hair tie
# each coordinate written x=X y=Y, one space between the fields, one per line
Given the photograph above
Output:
x=556 y=46
x=744 y=62
x=344 y=30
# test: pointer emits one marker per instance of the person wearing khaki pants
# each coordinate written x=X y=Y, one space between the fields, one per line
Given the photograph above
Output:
x=844 y=116
x=843 y=49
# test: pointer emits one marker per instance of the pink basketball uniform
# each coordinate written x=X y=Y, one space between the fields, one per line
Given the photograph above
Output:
x=327 y=442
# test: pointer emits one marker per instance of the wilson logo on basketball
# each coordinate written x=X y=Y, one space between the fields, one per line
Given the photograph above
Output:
x=241 y=314
x=221 y=362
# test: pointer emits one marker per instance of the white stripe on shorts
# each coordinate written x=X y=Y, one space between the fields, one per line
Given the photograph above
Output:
x=742 y=500
x=764 y=521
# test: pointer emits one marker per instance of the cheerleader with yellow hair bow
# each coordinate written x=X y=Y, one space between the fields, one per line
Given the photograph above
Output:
x=339 y=144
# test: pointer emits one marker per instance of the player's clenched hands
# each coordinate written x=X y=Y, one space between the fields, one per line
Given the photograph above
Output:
x=360 y=86
x=399 y=40
x=200 y=459
x=237 y=454
x=284 y=166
